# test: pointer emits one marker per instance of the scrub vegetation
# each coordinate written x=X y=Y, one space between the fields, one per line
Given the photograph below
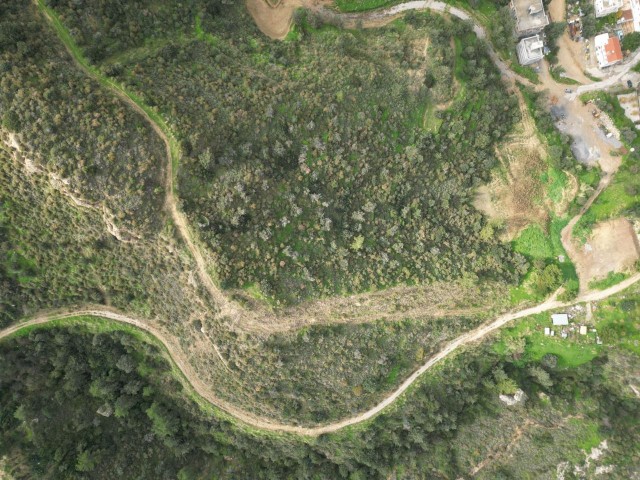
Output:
x=317 y=374
x=94 y=401
x=334 y=162
x=57 y=254
x=95 y=147
x=53 y=254
x=62 y=163
x=622 y=196
x=301 y=209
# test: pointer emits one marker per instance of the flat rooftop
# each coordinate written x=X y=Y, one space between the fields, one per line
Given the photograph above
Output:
x=606 y=5
x=530 y=15
x=533 y=43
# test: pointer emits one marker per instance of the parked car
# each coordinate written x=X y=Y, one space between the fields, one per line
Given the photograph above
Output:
x=568 y=90
x=629 y=84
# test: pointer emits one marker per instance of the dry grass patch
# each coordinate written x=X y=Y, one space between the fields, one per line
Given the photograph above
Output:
x=515 y=194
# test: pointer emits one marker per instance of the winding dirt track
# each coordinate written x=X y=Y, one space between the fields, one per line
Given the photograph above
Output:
x=179 y=220
x=178 y=357
x=176 y=353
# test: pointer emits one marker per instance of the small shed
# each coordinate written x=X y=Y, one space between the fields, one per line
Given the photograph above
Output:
x=560 y=319
x=583 y=329
x=547 y=331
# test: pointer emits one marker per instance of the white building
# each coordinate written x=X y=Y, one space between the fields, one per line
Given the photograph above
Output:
x=530 y=50
x=608 y=50
x=635 y=9
x=607 y=7
x=560 y=319
x=629 y=16
x=530 y=17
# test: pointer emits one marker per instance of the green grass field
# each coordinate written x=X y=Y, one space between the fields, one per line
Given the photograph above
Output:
x=363 y=5
x=536 y=244
x=571 y=352
x=556 y=182
x=612 y=279
x=618 y=321
x=526 y=72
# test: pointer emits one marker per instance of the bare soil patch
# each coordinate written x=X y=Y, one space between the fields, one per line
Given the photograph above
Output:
x=423 y=302
x=515 y=194
x=571 y=58
x=612 y=247
x=570 y=54
x=557 y=10
x=274 y=17
x=514 y=197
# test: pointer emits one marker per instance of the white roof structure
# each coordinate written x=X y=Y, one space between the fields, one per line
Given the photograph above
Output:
x=530 y=16
x=560 y=319
x=530 y=50
x=608 y=49
x=635 y=8
x=607 y=7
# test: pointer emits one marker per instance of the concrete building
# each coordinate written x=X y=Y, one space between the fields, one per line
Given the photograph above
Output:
x=530 y=50
x=530 y=17
x=607 y=7
x=629 y=20
x=608 y=50
x=560 y=319
x=625 y=21
x=631 y=105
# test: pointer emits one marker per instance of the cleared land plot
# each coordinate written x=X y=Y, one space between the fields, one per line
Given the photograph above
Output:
x=612 y=247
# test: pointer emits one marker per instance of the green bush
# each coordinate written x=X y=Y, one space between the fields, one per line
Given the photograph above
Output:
x=631 y=41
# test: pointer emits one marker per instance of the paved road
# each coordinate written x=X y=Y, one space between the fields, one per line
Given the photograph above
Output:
x=620 y=71
x=375 y=17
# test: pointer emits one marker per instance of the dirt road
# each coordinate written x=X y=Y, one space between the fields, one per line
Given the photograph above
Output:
x=228 y=308
x=177 y=356
x=224 y=304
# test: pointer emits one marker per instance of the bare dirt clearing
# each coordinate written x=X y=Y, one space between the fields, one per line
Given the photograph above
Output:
x=274 y=17
x=571 y=58
x=557 y=10
x=515 y=193
x=612 y=247
x=420 y=303
x=570 y=55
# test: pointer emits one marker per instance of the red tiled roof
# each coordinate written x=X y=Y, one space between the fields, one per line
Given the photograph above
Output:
x=613 y=50
x=626 y=15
